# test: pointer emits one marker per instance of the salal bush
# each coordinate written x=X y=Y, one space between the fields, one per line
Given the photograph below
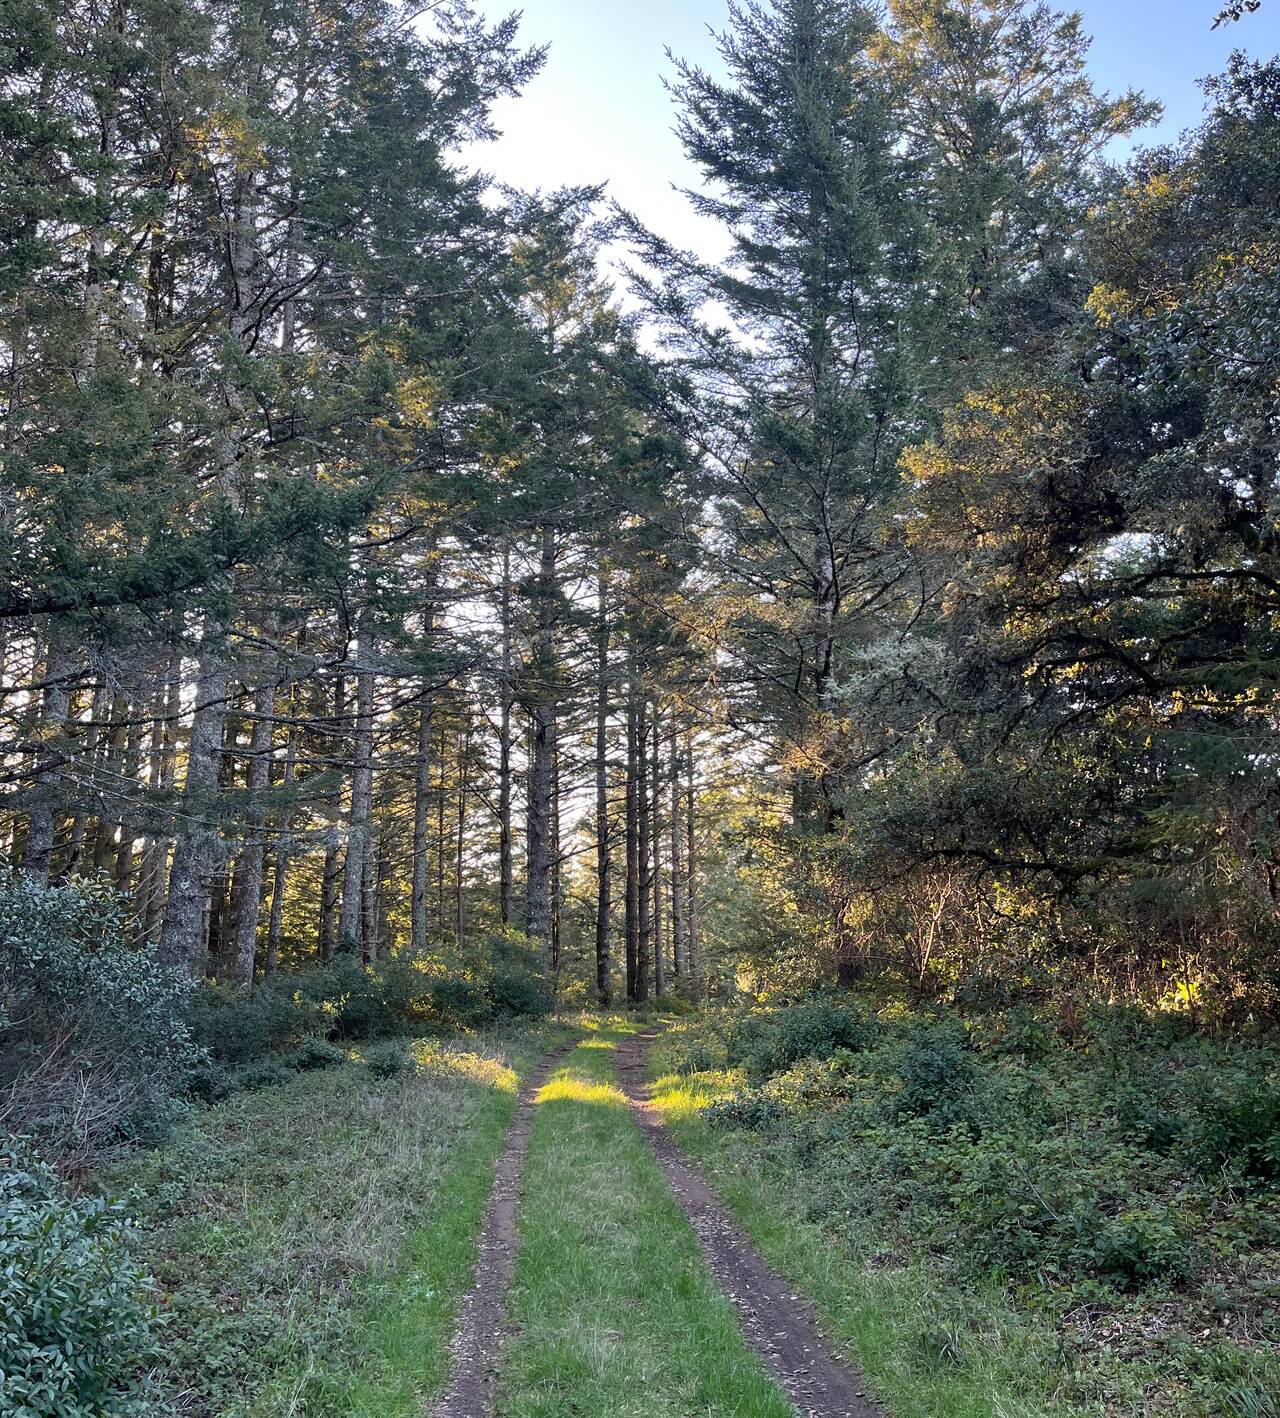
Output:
x=77 y=1317
x=94 y=1043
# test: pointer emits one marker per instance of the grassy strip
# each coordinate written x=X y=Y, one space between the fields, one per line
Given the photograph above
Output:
x=311 y=1241
x=618 y=1315
x=902 y=1333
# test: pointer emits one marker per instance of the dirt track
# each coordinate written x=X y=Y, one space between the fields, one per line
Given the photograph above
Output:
x=482 y=1333
x=777 y=1324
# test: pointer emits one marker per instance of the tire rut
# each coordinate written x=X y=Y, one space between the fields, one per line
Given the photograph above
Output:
x=778 y=1324
x=483 y=1330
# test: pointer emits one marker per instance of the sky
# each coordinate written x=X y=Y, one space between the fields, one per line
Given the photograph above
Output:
x=598 y=112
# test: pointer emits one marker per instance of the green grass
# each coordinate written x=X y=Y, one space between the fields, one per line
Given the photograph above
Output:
x=311 y=1241
x=889 y=1318
x=618 y=1315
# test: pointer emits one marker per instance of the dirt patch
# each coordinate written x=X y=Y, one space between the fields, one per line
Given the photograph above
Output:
x=483 y=1330
x=778 y=1324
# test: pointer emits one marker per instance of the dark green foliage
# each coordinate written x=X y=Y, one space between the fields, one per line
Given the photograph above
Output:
x=387 y=1059
x=514 y=981
x=937 y=1079
x=95 y=1048
x=766 y=1044
x=313 y=1054
x=210 y=1082
x=1238 y=1129
x=237 y=1028
x=270 y=1073
x=76 y=1312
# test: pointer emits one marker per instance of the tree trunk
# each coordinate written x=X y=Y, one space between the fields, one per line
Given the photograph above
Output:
x=543 y=717
x=328 y=933
x=422 y=807
x=282 y=856
x=655 y=774
x=360 y=816
x=55 y=703
x=632 y=898
x=644 y=853
x=506 y=875
x=697 y=975
x=604 y=983
x=246 y=891
x=678 y=955
x=459 y=899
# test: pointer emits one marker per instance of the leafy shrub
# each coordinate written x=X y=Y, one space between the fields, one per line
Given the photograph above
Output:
x=750 y=1108
x=1239 y=1129
x=270 y=1073
x=460 y=1002
x=1138 y=1245
x=937 y=1079
x=210 y=1082
x=386 y=1060
x=314 y=1054
x=514 y=981
x=75 y=1310
x=237 y=1028
x=766 y=1044
x=94 y=1041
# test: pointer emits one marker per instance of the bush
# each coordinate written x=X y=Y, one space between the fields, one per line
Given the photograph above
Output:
x=514 y=981
x=313 y=1054
x=237 y=1028
x=1138 y=1245
x=270 y=1073
x=75 y=1310
x=386 y=1060
x=1239 y=1130
x=95 y=1045
x=937 y=1079
x=210 y=1082
x=766 y=1044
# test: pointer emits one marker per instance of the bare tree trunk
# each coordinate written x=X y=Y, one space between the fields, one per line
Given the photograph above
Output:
x=645 y=854
x=677 y=863
x=160 y=781
x=697 y=980
x=506 y=875
x=555 y=876
x=246 y=892
x=459 y=903
x=655 y=773
x=360 y=816
x=128 y=817
x=632 y=898
x=55 y=703
x=604 y=983
x=543 y=716
x=328 y=933
x=282 y=856
x=422 y=806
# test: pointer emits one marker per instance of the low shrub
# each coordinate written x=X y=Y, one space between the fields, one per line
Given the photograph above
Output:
x=95 y=1046
x=387 y=1059
x=268 y=1073
x=1135 y=1246
x=313 y=1054
x=1238 y=1130
x=237 y=1028
x=76 y=1311
x=937 y=1075
x=766 y=1044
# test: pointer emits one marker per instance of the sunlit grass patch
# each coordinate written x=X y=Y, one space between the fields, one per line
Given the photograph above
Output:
x=432 y=1056
x=566 y=1088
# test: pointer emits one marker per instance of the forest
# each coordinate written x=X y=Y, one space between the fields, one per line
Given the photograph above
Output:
x=591 y=830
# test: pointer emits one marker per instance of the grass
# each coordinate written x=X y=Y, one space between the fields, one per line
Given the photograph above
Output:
x=617 y=1313
x=891 y=1319
x=311 y=1241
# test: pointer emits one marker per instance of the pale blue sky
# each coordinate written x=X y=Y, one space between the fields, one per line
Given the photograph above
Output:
x=598 y=112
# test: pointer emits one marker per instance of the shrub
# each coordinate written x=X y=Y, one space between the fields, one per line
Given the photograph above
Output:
x=1239 y=1129
x=460 y=1002
x=386 y=1060
x=270 y=1073
x=314 y=1054
x=94 y=1040
x=937 y=1079
x=210 y=1082
x=1138 y=1245
x=75 y=1310
x=237 y=1028
x=766 y=1044
x=514 y=981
